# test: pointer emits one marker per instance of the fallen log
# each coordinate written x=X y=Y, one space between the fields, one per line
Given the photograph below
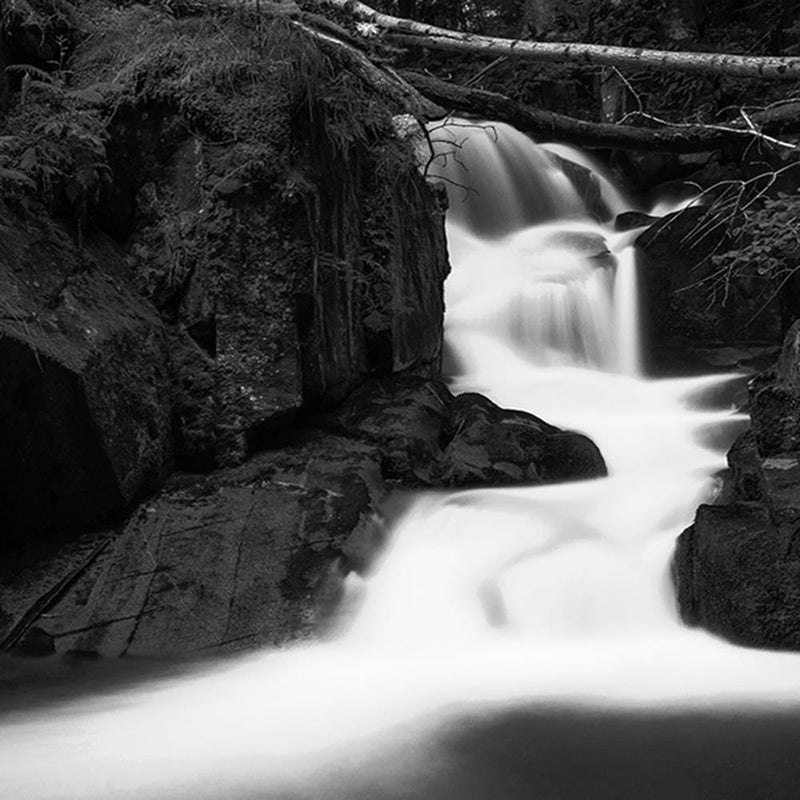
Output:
x=534 y=121
x=413 y=33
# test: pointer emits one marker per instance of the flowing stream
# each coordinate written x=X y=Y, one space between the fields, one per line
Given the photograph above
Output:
x=511 y=643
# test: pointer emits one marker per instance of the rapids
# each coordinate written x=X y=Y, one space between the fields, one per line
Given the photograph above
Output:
x=488 y=603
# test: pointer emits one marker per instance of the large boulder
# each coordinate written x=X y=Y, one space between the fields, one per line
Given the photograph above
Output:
x=737 y=568
x=85 y=416
x=485 y=444
x=248 y=557
x=738 y=574
x=428 y=437
x=297 y=288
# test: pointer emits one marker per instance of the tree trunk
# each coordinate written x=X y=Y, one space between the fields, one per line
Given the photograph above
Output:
x=613 y=94
x=538 y=17
x=409 y=32
x=489 y=105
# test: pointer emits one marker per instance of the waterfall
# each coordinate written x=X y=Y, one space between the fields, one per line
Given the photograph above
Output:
x=565 y=292
x=486 y=600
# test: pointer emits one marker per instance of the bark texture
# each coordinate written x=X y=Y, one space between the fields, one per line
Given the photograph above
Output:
x=677 y=139
x=409 y=32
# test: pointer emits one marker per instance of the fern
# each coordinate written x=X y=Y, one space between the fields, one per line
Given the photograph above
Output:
x=33 y=73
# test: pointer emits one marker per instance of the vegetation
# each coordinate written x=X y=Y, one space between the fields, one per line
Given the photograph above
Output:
x=765 y=248
x=236 y=77
x=265 y=80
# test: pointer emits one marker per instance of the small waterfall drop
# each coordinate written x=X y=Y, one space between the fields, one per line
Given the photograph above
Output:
x=562 y=292
x=496 y=182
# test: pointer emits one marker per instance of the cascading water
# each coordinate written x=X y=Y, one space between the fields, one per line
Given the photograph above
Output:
x=488 y=602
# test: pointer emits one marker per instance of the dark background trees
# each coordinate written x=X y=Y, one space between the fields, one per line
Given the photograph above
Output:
x=760 y=28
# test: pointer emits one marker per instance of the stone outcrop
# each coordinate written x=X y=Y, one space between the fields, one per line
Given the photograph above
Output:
x=248 y=557
x=737 y=568
x=295 y=295
x=428 y=437
x=206 y=294
x=85 y=416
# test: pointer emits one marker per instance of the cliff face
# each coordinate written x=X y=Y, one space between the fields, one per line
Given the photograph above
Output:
x=238 y=259
x=284 y=296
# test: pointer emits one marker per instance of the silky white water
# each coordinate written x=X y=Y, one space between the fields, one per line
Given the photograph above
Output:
x=485 y=598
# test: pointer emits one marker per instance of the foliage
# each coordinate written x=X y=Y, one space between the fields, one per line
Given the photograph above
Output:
x=765 y=237
x=56 y=150
x=255 y=83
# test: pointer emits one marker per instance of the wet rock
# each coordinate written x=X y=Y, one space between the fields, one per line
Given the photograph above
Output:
x=427 y=437
x=746 y=481
x=586 y=185
x=490 y=445
x=737 y=568
x=586 y=244
x=630 y=220
x=738 y=575
x=232 y=561
x=402 y=416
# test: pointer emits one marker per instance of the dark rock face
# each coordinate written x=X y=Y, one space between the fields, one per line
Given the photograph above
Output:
x=586 y=184
x=737 y=572
x=775 y=399
x=249 y=557
x=681 y=310
x=427 y=437
x=85 y=402
x=219 y=313
x=297 y=293
x=737 y=568
x=630 y=220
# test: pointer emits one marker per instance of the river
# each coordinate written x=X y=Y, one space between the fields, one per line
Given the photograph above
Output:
x=511 y=643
